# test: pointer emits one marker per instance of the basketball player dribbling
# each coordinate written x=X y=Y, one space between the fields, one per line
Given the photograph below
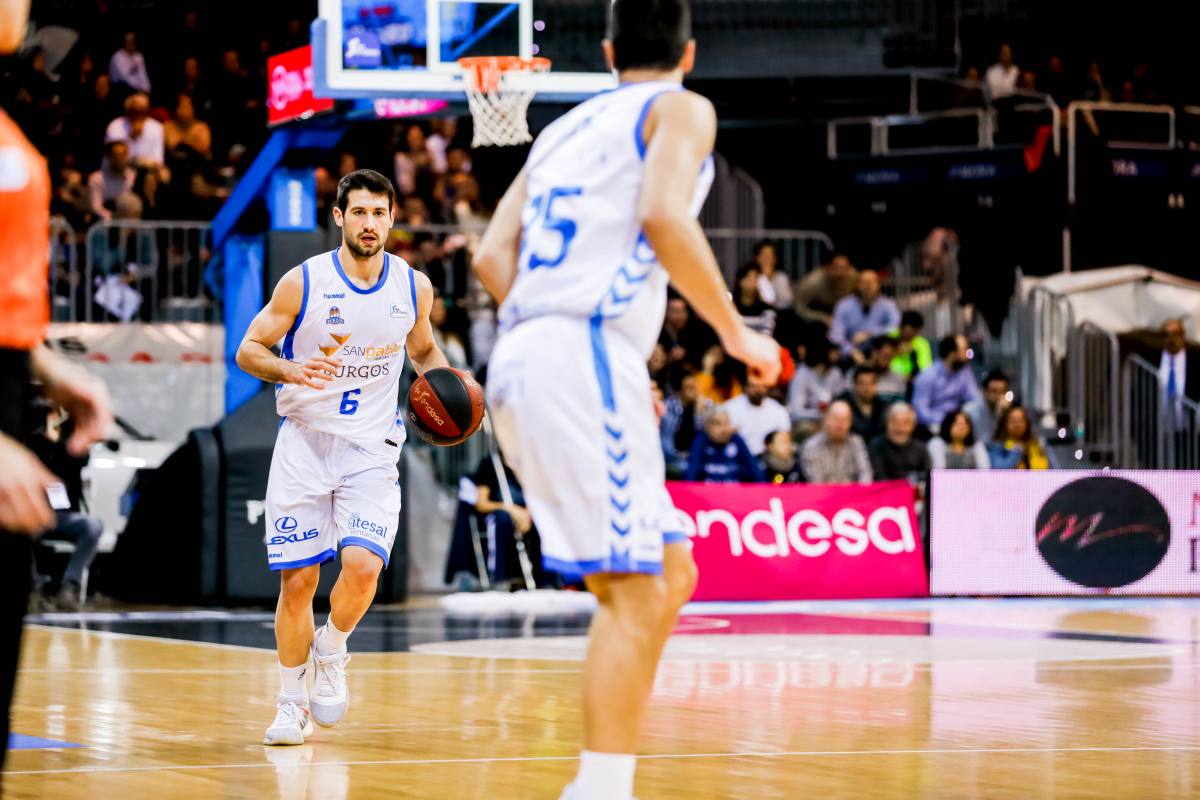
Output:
x=346 y=319
x=579 y=255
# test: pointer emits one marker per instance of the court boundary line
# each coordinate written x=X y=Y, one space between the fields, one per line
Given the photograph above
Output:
x=651 y=757
x=148 y=637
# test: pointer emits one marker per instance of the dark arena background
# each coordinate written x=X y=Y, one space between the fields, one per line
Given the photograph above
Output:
x=954 y=552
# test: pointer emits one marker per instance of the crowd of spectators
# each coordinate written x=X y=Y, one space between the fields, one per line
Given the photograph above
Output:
x=864 y=395
x=1012 y=74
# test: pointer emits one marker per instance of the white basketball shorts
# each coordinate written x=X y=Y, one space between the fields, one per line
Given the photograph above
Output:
x=325 y=493
x=572 y=409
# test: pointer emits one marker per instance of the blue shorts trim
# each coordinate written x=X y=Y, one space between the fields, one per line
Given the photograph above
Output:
x=675 y=537
x=319 y=558
x=358 y=541
x=578 y=569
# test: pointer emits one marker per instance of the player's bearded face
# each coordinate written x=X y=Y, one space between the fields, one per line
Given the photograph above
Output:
x=365 y=233
x=365 y=243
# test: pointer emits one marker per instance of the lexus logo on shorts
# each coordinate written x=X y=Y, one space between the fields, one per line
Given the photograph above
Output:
x=285 y=524
x=1103 y=532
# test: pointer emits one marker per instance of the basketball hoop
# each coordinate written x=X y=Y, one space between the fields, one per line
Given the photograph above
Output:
x=498 y=108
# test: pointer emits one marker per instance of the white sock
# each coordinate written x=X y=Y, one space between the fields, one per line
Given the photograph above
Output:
x=331 y=639
x=605 y=776
x=291 y=681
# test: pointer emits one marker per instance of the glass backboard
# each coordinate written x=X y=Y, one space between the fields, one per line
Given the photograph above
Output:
x=407 y=48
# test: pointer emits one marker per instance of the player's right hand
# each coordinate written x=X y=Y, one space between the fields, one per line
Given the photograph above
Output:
x=759 y=353
x=315 y=372
x=24 y=507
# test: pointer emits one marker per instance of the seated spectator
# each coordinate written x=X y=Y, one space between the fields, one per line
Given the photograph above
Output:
x=778 y=460
x=774 y=285
x=946 y=385
x=455 y=183
x=866 y=407
x=755 y=312
x=680 y=423
x=114 y=178
x=890 y=385
x=913 y=353
x=505 y=523
x=414 y=166
x=127 y=67
x=184 y=130
x=685 y=339
x=754 y=415
x=815 y=382
x=820 y=290
x=986 y=409
x=835 y=454
x=719 y=455
x=718 y=379
x=896 y=455
x=657 y=364
x=1001 y=77
x=1014 y=444
x=860 y=317
x=956 y=447
x=49 y=444
x=140 y=131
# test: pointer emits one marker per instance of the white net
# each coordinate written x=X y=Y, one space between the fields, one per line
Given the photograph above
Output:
x=498 y=109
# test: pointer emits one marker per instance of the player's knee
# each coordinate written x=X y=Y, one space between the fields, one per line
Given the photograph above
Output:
x=681 y=582
x=642 y=602
x=298 y=585
x=361 y=568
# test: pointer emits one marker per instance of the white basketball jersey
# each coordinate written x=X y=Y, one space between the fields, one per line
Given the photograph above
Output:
x=366 y=329
x=583 y=253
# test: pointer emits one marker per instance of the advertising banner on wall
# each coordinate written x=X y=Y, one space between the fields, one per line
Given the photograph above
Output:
x=798 y=542
x=1064 y=532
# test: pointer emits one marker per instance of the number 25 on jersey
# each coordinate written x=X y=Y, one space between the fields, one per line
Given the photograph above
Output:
x=547 y=231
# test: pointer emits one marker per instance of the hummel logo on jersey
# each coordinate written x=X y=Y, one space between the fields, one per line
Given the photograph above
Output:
x=330 y=349
x=335 y=295
x=335 y=316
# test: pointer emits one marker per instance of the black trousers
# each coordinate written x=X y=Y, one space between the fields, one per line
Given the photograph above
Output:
x=16 y=550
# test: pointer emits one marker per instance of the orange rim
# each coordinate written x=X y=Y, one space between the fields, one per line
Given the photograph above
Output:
x=484 y=72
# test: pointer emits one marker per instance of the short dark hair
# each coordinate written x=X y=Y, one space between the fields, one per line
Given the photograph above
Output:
x=913 y=319
x=367 y=179
x=650 y=34
x=864 y=370
x=883 y=340
x=947 y=346
x=763 y=244
x=746 y=269
x=767 y=439
x=948 y=423
x=996 y=375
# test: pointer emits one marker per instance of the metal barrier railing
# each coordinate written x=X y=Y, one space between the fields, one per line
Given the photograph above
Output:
x=134 y=270
x=1093 y=389
x=66 y=271
x=1156 y=434
x=1033 y=346
x=1089 y=109
x=959 y=99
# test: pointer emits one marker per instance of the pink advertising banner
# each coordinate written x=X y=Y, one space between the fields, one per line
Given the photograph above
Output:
x=801 y=542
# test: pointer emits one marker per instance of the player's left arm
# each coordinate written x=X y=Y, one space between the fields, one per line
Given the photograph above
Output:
x=495 y=259
x=422 y=347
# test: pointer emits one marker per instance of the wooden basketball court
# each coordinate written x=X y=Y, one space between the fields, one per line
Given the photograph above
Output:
x=926 y=699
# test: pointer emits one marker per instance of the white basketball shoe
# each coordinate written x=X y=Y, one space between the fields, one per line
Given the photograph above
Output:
x=330 y=695
x=292 y=725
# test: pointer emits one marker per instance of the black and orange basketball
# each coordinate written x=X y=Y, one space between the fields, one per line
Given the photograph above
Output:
x=445 y=406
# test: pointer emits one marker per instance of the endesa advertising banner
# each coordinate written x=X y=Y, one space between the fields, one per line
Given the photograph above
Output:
x=290 y=87
x=1064 y=532
x=802 y=542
